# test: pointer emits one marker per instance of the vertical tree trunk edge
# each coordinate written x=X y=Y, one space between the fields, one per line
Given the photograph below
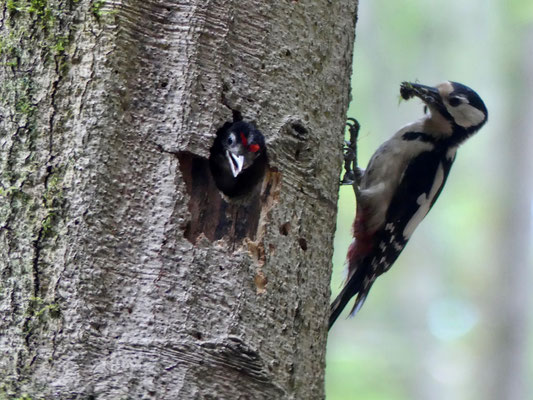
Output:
x=122 y=275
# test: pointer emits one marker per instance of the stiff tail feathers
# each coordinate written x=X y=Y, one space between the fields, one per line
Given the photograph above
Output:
x=358 y=259
x=352 y=287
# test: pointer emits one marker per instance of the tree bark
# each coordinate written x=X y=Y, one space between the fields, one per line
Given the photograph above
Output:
x=114 y=283
x=510 y=312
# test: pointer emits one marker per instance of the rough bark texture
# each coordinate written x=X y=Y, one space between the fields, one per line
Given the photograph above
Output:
x=110 y=287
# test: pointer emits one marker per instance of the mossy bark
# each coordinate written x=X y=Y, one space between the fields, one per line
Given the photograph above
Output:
x=102 y=292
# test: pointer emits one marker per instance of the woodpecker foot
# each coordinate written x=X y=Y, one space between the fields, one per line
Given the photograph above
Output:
x=352 y=174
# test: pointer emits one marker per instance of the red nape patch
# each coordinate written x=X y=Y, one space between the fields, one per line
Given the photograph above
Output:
x=244 y=140
x=254 y=148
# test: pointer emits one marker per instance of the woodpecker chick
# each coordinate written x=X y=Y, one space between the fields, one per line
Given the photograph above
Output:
x=238 y=159
x=402 y=182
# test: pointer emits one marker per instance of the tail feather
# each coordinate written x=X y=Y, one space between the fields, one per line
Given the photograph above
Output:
x=338 y=305
x=353 y=287
x=358 y=283
x=357 y=258
x=359 y=301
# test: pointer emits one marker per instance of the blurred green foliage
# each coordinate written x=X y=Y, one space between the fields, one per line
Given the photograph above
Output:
x=434 y=327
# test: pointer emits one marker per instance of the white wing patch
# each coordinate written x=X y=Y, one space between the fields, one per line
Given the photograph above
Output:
x=424 y=201
x=450 y=154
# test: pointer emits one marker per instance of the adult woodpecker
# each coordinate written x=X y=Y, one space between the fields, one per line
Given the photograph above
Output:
x=238 y=159
x=402 y=182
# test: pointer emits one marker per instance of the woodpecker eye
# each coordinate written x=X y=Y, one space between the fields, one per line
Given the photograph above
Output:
x=454 y=101
x=230 y=140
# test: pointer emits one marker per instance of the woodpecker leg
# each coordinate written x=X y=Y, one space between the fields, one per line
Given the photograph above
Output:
x=352 y=173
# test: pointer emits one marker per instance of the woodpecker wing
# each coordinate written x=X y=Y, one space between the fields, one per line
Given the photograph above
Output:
x=419 y=188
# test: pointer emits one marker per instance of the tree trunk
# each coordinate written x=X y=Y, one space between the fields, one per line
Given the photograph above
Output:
x=510 y=313
x=123 y=272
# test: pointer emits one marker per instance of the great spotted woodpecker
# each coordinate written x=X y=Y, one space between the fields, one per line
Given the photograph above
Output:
x=402 y=182
x=238 y=159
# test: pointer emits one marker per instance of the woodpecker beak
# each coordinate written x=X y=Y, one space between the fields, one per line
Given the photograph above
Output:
x=235 y=162
x=428 y=94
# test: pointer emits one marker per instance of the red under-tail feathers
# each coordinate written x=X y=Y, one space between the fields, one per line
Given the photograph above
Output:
x=360 y=247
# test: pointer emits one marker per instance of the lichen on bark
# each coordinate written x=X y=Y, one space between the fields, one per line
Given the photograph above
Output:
x=103 y=294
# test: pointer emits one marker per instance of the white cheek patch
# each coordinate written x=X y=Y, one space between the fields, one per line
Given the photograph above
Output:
x=424 y=201
x=466 y=115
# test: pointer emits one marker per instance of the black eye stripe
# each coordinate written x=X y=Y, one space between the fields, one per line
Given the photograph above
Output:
x=454 y=101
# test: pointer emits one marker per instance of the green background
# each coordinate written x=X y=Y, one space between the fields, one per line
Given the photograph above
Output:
x=452 y=318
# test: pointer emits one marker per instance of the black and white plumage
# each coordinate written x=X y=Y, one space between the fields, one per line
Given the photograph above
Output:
x=238 y=159
x=402 y=182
